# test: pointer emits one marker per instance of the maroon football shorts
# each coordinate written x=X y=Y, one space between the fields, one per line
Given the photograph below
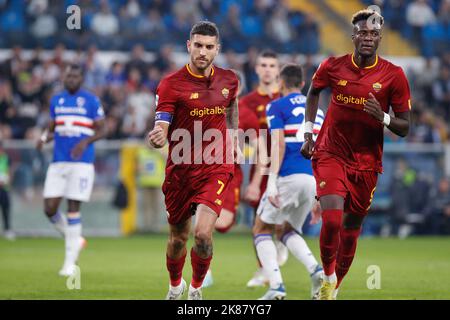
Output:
x=233 y=194
x=355 y=186
x=183 y=194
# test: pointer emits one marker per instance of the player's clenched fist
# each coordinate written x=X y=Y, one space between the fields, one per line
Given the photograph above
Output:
x=157 y=137
x=307 y=147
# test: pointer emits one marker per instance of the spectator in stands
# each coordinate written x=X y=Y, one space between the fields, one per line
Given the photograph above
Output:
x=441 y=92
x=444 y=13
x=308 y=32
x=423 y=130
x=250 y=75
x=438 y=219
x=116 y=77
x=4 y=193
x=424 y=78
x=418 y=15
x=94 y=75
x=44 y=26
x=133 y=8
x=6 y=109
x=136 y=119
x=231 y=27
x=48 y=72
x=137 y=61
x=278 y=27
x=152 y=25
x=164 y=58
x=153 y=79
x=105 y=23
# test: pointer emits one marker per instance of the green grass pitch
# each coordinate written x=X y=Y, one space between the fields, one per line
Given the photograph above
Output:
x=134 y=268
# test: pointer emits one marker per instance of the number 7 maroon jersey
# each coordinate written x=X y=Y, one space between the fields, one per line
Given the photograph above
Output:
x=348 y=133
x=193 y=101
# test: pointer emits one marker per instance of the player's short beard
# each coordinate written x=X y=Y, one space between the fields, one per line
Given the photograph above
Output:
x=200 y=67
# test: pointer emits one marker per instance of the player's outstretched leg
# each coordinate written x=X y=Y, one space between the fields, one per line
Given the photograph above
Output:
x=267 y=254
x=74 y=241
x=259 y=278
x=282 y=250
x=298 y=247
x=332 y=206
x=201 y=252
x=223 y=224
x=349 y=235
x=175 y=258
x=58 y=219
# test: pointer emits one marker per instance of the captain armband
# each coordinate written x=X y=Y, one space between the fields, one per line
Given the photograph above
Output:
x=162 y=116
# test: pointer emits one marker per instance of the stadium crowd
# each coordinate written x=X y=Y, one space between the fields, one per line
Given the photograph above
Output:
x=425 y=22
x=118 y=25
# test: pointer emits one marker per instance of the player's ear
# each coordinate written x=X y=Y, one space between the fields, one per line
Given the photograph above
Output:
x=302 y=85
x=218 y=48
x=188 y=45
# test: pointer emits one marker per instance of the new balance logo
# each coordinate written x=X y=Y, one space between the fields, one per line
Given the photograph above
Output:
x=194 y=95
x=342 y=83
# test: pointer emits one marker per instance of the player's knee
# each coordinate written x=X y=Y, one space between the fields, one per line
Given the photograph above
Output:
x=50 y=210
x=178 y=243
x=203 y=241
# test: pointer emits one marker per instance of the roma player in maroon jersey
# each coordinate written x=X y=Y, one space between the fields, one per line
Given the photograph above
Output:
x=249 y=132
x=249 y=126
x=347 y=154
x=197 y=99
x=268 y=69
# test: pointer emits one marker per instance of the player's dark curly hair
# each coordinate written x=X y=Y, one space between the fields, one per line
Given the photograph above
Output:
x=292 y=75
x=205 y=28
x=365 y=14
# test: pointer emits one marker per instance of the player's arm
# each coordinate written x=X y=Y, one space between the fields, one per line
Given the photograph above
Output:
x=166 y=99
x=253 y=190
x=47 y=135
x=398 y=124
x=100 y=132
x=278 y=147
x=158 y=136
x=320 y=80
x=232 y=115
x=312 y=105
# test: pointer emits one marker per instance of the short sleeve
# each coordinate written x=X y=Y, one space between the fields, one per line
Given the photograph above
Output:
x=400 y=93
x=52 y=107
x=274 y=117
x=98 y=112
x=235 y=87
x=165 y=98
x=320 y=117
x=320 y=78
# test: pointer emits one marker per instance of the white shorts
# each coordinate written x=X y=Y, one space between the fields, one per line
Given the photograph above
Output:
x=73 y=181
x=297 y=195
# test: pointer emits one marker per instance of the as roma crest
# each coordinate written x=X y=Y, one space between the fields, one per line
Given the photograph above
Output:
x=225 y=93
x=377 y=86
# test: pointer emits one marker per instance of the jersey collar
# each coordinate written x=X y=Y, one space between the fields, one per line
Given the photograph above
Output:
x=197 y=75
x=261 y=93
x=368 y=67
